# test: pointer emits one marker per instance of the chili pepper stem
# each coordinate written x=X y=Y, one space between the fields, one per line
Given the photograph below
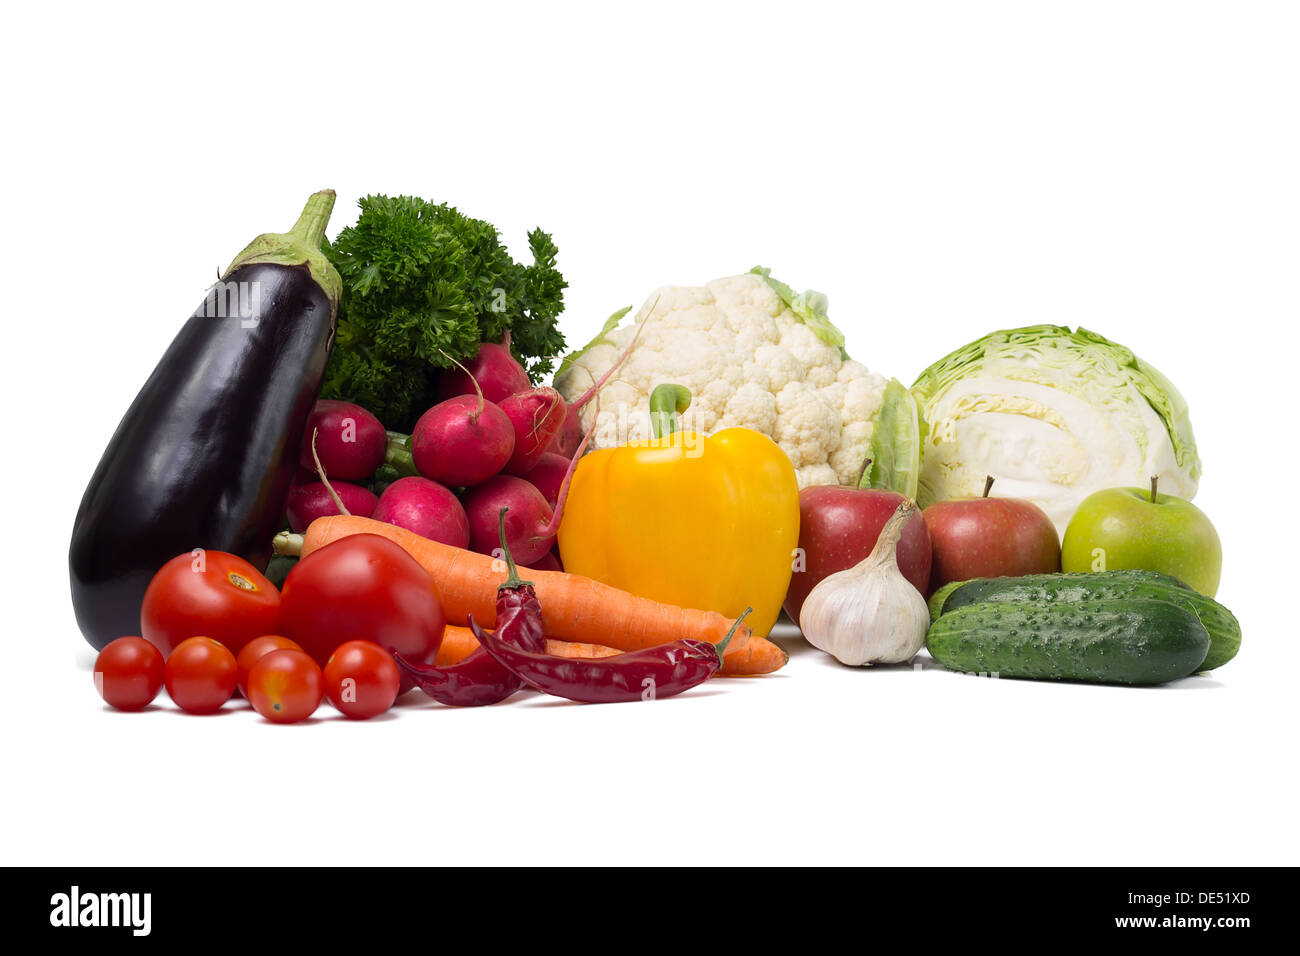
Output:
x=721 y=646
x=513 y=580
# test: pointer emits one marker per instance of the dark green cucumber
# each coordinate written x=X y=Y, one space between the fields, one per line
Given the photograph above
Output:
x=1225 y=632
x=1117 y=642
x=939 y=598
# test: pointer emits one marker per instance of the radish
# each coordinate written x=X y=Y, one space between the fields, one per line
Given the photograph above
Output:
x=530 y=521
x=536 y=415
x=569 y=433
x=425 y=507
x=349 y=440
x=547 y=562
x=493 y=371
x=548 y=474
x=463 y=441
x=312 y=500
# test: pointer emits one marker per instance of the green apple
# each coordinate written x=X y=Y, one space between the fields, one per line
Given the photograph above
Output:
x=1139 y=528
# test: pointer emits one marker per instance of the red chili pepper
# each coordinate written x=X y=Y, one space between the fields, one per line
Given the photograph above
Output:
x=479 y=679
x=647 y=674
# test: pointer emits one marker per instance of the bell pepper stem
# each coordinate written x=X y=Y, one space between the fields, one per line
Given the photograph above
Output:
x=667 y=402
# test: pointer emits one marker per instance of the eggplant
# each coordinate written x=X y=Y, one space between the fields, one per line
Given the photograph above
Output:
x=205 y=455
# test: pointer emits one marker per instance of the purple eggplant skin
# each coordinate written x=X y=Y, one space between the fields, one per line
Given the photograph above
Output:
x=205 y=455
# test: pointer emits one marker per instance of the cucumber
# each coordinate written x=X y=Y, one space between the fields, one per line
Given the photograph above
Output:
x=939 y=597
x=1225 y=632
x=1117 y=642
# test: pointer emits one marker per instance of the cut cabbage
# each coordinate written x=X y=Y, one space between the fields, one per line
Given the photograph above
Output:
x=1053 y=415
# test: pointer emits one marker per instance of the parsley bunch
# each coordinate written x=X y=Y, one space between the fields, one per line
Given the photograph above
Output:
x=421 y=279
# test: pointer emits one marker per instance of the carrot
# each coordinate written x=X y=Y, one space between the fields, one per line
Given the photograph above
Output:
x=574 y=608
x=459 y=642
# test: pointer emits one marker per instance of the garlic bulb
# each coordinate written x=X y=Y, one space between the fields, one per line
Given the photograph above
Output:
x=869 y=614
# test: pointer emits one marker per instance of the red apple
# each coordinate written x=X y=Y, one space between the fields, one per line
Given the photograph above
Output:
x=838 y=527
x=990 y=538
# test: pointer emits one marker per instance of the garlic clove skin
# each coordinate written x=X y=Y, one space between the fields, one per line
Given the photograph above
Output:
x=870 y=613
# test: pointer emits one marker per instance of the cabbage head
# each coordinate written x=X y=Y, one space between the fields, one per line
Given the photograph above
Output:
x=1053 y=415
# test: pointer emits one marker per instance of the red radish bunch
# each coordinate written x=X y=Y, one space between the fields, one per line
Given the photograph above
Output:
x=490 y=443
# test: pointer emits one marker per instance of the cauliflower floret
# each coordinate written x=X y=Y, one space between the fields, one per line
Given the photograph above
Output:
x=750 y=360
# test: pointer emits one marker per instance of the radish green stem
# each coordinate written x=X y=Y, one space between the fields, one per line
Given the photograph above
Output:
x=286 y=542
x=600 y=383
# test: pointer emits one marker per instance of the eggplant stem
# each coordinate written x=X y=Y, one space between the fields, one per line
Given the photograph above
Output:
x=310 y=226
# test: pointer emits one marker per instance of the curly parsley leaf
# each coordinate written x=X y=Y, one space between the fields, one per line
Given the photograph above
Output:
x=421 y=279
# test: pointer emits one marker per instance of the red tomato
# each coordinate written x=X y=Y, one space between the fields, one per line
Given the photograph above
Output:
x=200 y=675
x=362 y=587
x=285 y=686
x=255 y=650
x=361 y=679
x=215 y=594
x=129 y=673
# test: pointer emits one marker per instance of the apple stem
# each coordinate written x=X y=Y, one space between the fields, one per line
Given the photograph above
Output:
x=988 y=485
x=863 y=473
x=1154 y=479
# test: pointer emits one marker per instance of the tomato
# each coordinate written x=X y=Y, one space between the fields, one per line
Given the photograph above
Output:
x=212 y=593
x=361 y=679
x=255 y=650
x=362 y=587
x=129 y=673
x=200 y=675
x=285 y=686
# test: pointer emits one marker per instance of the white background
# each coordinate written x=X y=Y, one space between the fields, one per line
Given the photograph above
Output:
x=939 y=170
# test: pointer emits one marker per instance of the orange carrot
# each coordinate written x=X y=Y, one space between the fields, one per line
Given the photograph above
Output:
x=459 y=642
x=574 y=608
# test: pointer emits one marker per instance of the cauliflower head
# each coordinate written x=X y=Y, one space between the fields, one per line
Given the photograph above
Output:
x=753 y=355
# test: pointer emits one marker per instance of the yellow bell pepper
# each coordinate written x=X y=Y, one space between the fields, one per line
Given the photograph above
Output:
x=709 y=522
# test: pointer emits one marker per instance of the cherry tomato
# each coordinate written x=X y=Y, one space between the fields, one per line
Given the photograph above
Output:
x=211 y=593
x=361 y=679
x=285 y=686
x=200 y=675
x=362 y=587
x=129 y=673
x=255 y=650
